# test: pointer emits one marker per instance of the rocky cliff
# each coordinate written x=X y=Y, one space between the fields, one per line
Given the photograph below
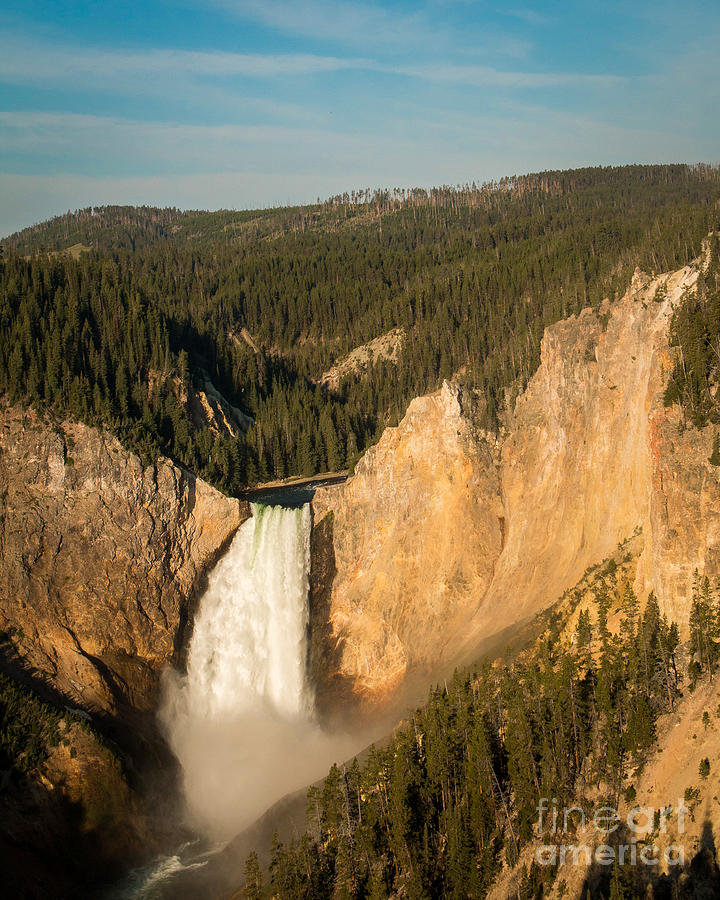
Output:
x=416 y=533
x=71 y=821
x=445 y=536
x=100 y=559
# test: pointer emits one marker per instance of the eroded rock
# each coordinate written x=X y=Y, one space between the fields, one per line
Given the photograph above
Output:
x=100 y=558
x=444 y=536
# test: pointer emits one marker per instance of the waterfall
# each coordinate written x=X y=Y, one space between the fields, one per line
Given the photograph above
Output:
x=250 y=639
x=241 y=720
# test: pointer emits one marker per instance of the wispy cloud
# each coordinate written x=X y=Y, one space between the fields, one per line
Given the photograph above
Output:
x=376 y=27
x=49 y=133
x=487 y=76
x=104 y=145
x=343 y=21
x=529 y=16
x=22 y=62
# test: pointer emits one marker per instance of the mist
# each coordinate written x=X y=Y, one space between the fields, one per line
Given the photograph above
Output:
x=241 y=721
x=233 y=771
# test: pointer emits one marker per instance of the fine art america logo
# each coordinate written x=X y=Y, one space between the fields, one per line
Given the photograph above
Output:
x=625 y=836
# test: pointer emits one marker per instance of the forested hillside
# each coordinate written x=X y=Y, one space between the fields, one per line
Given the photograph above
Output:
x=696 y=332
x=453 y=797
x=262 y=303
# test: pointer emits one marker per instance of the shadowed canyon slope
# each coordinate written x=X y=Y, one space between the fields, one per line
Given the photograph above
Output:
x=445 y=536
x=100 y=558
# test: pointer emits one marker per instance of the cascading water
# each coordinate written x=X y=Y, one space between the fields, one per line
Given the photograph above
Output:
x=249 y=645
x=241 y=720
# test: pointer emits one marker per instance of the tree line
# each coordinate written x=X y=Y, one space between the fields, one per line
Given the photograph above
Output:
x=695 y=331
x=118 y=336
x=454 y=794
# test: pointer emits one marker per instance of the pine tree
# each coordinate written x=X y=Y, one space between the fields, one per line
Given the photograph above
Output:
x=715 y=455
x=704 y=625
x=253 y=889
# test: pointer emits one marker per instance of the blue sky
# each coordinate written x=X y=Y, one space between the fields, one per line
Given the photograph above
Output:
x=247 y=103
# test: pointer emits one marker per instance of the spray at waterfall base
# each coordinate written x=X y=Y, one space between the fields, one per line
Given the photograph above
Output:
x=241 y=720
x=634 y=828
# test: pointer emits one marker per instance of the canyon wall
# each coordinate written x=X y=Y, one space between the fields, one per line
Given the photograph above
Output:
x=100 y=559
x=445 y=536
x=683 y=530
x=579 y=460
x=416 y=533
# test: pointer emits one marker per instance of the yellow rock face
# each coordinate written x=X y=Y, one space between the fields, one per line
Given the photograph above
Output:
x=577 y=464
x=417 y=532
x=444 y=537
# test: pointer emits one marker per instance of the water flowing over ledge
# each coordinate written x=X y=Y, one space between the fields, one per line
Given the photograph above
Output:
x=241 y=720
x=249 y=646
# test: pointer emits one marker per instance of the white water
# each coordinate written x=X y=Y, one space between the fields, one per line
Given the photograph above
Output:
x=150 y=882
x=250 y=640
x=241 y=720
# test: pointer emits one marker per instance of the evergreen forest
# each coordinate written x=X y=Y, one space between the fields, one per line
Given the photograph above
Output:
x=453 y=796
x=116 y=315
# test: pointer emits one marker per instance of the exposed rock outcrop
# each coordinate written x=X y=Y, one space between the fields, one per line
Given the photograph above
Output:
x=100 y=558
x=416 y=533
x=386 y=347
x=578 y=460
x=443 y=537
x=683 y=533
x=205 y=406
